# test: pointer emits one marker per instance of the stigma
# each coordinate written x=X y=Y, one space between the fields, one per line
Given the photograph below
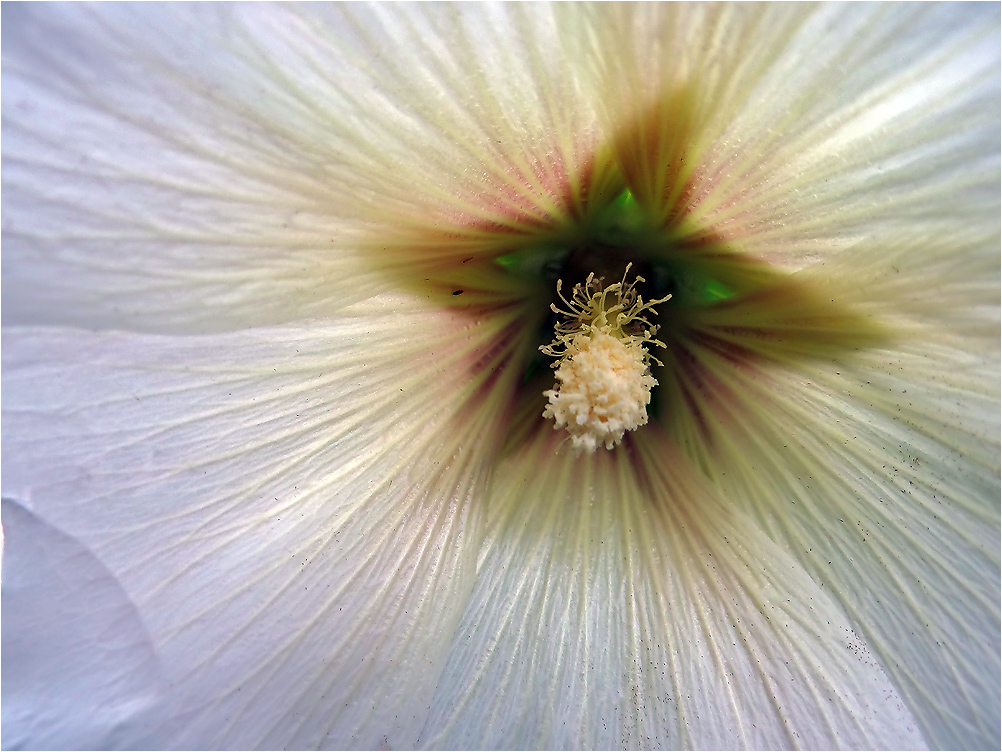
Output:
x=603 y=376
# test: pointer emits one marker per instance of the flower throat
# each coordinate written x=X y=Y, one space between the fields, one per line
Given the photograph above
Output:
x=631 y=236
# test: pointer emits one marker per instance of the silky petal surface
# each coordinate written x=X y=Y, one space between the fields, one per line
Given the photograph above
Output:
x=900 y=524
x=225 y=166
x=814 y=127
x=877 y=470
x=294 y=513
x=648 y=613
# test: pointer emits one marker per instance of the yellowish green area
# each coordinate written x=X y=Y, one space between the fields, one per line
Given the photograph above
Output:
x=728 y=310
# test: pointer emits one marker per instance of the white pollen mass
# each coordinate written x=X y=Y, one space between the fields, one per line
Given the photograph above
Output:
x=604 y=389
x=603 y=373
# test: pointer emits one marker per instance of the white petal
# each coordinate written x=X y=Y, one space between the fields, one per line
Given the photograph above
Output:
x=620 y=604
x=135 y=196
x=208 y=168
x=803 y=129
x=873 y=124
x=82 y=647
x=879 y=475
x=293 y=511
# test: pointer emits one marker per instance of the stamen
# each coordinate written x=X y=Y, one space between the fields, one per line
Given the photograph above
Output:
x=603 y=373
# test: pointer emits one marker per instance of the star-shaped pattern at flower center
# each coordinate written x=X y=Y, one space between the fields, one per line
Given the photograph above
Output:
x=727 y=315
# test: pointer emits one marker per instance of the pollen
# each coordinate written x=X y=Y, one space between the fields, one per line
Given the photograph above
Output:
x=603 y=372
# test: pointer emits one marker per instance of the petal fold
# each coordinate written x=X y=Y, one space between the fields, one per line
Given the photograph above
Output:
x=78 y=664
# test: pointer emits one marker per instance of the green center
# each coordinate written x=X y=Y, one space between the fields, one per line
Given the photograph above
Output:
x=609 y=238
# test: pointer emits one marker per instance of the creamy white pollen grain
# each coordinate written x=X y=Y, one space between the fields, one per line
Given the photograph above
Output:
x=604 y=389
x=603 y=373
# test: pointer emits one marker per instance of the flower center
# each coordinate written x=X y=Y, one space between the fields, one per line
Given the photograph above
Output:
x=642 y=202
x=603 y=368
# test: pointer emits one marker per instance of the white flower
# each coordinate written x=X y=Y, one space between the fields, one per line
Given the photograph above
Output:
x=274 y=466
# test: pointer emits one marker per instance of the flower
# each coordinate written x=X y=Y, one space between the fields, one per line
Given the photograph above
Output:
x=275 y=467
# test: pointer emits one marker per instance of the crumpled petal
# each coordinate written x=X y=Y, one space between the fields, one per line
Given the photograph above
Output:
x=621 y=603
x=294 y=513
